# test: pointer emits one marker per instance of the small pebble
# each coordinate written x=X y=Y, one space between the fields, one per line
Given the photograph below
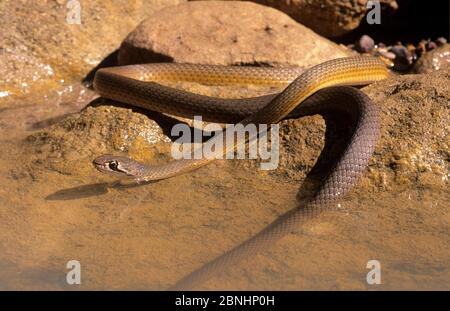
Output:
x=441 y=41
x=400 y=51
x=365 y=44
x=386 y=54
x=412 y=51
x=401 y=55
x=403 y=58
x=431 y=45
x=421 y=47
x=410 y=47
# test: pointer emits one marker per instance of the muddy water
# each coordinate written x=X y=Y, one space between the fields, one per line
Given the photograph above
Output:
x=149 y=236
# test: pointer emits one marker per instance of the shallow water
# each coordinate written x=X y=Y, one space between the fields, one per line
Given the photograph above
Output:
x=149 y=236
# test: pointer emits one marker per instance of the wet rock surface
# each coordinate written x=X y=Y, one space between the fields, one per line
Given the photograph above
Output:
x=226 y=33
x=40 y=49
x=70 y=144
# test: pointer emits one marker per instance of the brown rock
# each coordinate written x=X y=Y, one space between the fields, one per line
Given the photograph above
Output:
x=365 y=44
x=441 y=41
x=403 y=57
x=415 y=132
x=436 y=59
x=227 y=33
x=414 y=146
x=96 y=131
x=330 y=18
x=39 y=49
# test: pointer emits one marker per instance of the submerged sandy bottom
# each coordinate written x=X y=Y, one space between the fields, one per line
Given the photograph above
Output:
x=149 y=236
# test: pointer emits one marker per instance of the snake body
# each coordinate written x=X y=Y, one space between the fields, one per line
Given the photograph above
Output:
x=321 y=89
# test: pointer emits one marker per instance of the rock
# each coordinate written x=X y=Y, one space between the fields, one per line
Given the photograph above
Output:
x=226 y=33
x=441 y=41
x=414 y=141
x=384 y=53
x=329 y=18
x=40 y=50
x=403 y=57
x=421 y=47
x=437 y=59
x=365 y=44
x=431 y=46
x=414 y=147
x=96 y=131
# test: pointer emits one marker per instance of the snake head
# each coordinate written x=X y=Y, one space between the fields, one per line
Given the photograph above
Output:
x=115 y=165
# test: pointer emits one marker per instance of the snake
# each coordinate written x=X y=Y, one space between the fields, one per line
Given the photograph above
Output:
x=325 y=88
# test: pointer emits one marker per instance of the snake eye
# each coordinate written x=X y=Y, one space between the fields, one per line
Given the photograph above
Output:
x=113 y=165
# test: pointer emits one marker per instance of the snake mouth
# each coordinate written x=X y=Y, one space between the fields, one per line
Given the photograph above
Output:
x=107 y=164
x=100 y=167
x=101 y=162
x=113 y=165
x=106 y=168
